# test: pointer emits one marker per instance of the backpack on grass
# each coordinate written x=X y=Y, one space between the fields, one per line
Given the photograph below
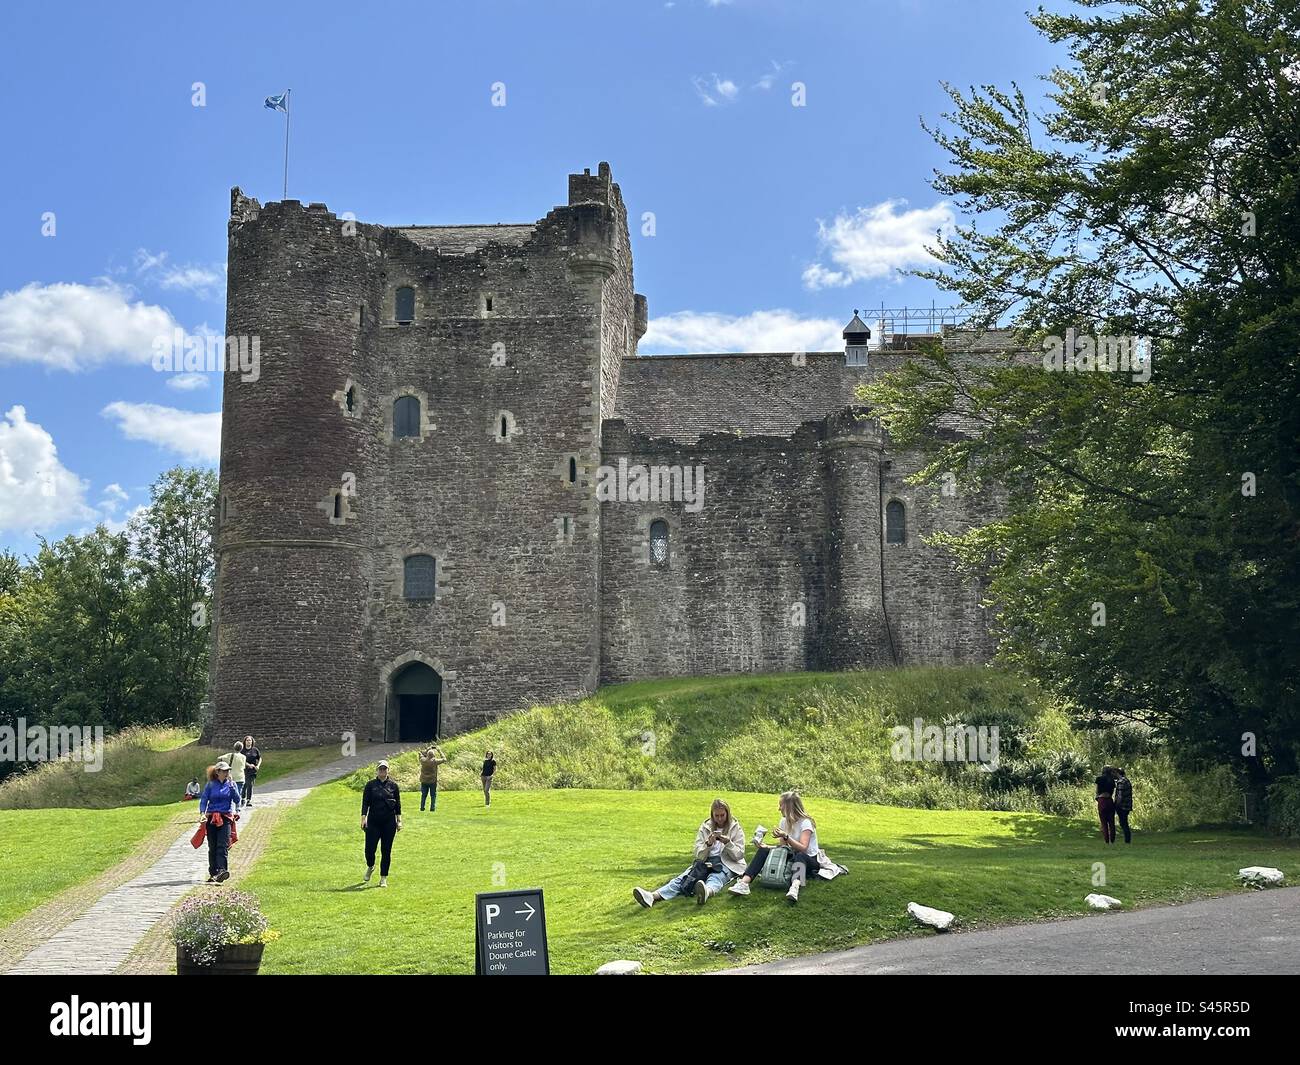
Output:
x=778 y=869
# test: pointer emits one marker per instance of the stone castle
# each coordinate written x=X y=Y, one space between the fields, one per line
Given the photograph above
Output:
x=456 y=490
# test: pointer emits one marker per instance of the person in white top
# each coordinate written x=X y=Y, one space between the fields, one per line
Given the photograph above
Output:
x=797 y=832
x=719 y=856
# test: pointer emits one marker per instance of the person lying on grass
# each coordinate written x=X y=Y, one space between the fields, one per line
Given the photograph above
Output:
x=719 y=856
x=797 y=832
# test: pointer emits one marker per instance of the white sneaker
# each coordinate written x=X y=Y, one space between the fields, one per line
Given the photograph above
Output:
x=366 y=879
x=383 y=881
x=793 y=893
x=643 y=897
x=739 y=888
x=702 y=892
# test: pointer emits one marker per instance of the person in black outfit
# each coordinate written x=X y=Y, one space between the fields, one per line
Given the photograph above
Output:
x=381 y=818
x=489 y=767
x=252 y=759
x=1123 y=802
x=1106 y=803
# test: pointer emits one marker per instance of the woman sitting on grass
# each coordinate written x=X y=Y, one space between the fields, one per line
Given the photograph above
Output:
x=797 y=832
x=719 y=856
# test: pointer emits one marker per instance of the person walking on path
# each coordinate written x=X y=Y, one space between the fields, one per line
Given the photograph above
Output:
x=429 y=762
x=1106 y=803
x=218 y=808
x=252 y=762
x=489 y=768
x=719 y=857
x=1123 y=802
x=381 y=820
x=237 y=765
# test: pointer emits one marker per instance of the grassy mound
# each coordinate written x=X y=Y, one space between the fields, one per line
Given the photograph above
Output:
x=141 y=767
x=829 y=735
x=587 y=849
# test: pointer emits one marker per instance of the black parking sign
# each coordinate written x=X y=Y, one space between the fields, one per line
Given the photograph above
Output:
x=510 y=934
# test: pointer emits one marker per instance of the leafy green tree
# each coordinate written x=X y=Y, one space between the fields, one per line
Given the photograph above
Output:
x=173 y=548
x=1148 y=564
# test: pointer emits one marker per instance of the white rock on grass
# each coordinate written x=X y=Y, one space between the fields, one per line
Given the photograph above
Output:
x=1260 y=875
x=940 y=919
x=619 y=968
x=1102 y=902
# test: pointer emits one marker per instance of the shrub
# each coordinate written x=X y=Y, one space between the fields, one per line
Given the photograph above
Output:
x=1284 y=806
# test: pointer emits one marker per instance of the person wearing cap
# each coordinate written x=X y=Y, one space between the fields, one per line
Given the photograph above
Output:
x=381 y=820
x=218 y=806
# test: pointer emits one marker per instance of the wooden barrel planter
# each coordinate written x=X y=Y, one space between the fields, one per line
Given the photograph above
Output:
x=241 y=959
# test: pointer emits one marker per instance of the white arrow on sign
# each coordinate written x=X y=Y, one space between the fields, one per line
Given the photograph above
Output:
x=530 y=912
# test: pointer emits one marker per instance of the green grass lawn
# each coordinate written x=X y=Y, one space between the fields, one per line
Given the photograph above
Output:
x=44 y=852
x=587 y=849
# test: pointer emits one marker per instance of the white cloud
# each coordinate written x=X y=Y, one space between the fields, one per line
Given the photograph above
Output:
x=876 y=242
x=75 y=327
x=114 y=496
x=195 y=435
x=715 y=90
x=769 y=79
x=777 y=330
x=37 y=492
x=206 y=282
x=187 y=382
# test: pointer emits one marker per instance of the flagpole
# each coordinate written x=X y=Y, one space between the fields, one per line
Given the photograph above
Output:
x=286 y=143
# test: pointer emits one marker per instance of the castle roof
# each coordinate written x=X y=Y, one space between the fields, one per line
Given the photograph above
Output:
x=465 y=239
x=755 y=394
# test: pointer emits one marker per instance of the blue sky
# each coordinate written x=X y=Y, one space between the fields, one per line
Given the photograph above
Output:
x=772 y=222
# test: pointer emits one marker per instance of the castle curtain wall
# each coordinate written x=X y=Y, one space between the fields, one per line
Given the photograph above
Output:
x=744 y=570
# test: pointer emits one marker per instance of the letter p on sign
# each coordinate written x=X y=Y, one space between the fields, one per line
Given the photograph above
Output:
x=491 y=910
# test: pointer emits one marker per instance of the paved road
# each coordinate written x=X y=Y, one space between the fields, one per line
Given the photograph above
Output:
x=101 y=938
x=1249 y=932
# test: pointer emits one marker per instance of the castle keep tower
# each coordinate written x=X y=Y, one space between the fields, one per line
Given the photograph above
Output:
x=408 y=541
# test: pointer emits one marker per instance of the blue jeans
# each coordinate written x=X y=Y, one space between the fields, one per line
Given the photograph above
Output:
x=431 y=791
x=714 y=881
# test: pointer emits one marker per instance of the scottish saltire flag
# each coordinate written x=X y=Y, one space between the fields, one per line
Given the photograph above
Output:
x=276 y=103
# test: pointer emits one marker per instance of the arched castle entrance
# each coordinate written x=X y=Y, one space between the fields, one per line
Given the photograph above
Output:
x=414 y=703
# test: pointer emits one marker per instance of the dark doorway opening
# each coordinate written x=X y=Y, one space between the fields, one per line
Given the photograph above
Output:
x=417 y=691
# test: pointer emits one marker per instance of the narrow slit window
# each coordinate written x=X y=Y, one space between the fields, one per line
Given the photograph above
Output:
x=505 y=430
x=659 y=543
x=404 y=305
x=573 y=471
x=338 y=504
x=350 y=399
x=487 y=303
x=895 y=523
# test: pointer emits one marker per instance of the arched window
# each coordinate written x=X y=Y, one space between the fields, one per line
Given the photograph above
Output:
x=406 y=416
x=404 y=305
x=659 y=543
x=505 y=427
x=895 y=523
x=419 y=577
x=573 y=470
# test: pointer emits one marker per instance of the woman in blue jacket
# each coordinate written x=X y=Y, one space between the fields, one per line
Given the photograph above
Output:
x=217 y=808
